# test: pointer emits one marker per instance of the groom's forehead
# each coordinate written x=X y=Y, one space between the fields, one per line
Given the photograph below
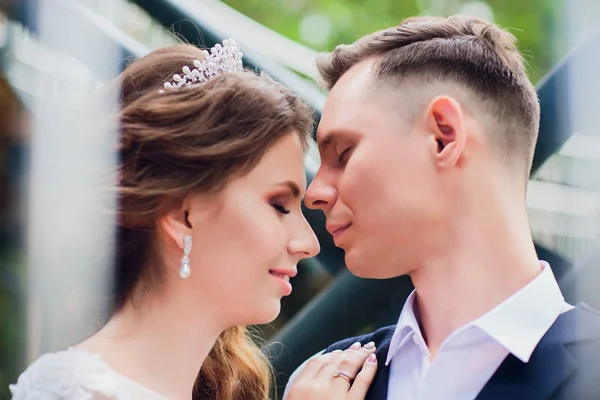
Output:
x=348 y=119
x=342 y=112
x=349 y=105
x=353 y=92
x=356 y=81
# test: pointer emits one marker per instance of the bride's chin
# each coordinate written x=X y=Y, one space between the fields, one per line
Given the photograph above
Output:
x=268 y=315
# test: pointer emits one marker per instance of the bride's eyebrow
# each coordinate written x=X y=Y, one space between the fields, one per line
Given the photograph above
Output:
x=292 y=186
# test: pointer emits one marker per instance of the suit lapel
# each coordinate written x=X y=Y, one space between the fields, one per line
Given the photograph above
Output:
x=379 y=386
x=548 y=368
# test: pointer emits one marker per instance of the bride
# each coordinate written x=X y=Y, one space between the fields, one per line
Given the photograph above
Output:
x=210 y=231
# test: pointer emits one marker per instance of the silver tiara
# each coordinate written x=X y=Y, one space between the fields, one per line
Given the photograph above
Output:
x=221 y=59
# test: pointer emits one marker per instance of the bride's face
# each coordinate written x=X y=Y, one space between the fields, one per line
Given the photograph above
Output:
x=247 y=243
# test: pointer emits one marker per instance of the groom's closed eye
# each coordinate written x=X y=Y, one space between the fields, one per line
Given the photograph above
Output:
x=343 y=157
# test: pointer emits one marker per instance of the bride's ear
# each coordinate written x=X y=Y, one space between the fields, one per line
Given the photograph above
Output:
x=176 y=225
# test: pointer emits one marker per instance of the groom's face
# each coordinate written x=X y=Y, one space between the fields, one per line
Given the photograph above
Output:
x=377 y=182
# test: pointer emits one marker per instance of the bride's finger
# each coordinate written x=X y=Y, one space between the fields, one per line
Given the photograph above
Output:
x=350 y=362
x=327 y=372
x=339 y=357
x=314 y=366
x=363 y=380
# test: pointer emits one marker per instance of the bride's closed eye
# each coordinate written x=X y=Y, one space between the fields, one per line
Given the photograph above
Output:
x=280 y=208
x=288 y=193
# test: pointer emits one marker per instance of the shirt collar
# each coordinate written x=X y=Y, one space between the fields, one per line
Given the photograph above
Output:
x=407 y=324
x=518 y=323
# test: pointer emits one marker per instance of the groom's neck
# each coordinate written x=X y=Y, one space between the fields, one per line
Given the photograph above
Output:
x=487 y=258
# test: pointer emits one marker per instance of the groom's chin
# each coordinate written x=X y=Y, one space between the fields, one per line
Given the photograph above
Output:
x=368 y=266
x=359 y=265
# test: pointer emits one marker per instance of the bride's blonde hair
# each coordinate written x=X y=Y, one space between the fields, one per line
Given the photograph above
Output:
x=194 y=140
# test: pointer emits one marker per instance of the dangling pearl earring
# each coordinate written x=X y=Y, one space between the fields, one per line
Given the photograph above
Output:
x=185 y=271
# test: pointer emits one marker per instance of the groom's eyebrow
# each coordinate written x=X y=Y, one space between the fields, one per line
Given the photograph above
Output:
x=326 y=143
x=330 y=138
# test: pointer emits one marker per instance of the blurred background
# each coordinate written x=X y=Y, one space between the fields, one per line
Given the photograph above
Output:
x=55 y=52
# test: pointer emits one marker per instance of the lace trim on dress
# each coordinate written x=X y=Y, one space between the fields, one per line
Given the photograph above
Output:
x=73 y=374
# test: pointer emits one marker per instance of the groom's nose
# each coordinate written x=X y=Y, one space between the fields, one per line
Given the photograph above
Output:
x=321 y=193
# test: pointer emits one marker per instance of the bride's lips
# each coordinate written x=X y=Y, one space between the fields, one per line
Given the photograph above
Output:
x=283 y=276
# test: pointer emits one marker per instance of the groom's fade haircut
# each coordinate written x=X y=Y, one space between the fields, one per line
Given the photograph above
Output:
x=479 y=57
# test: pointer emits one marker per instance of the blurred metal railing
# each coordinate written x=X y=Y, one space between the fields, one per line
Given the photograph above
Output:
x=191 y=24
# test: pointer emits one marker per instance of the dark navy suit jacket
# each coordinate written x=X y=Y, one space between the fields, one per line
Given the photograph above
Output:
x=565 y=365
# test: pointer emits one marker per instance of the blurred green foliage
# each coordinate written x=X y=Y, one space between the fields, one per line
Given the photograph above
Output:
x=537 y=24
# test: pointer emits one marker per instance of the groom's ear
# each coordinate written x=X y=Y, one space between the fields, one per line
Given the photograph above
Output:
x=445 y=122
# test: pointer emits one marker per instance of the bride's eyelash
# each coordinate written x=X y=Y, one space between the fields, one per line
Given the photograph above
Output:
x=280 y=208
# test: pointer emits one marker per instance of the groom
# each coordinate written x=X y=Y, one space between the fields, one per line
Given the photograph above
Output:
x=426 y=143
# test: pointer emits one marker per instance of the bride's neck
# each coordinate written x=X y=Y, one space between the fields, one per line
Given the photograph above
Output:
x=159 y=343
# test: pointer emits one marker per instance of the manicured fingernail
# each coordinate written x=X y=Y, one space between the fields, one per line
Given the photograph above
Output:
x=336 y=351
x=372 y=358
x=369 y=346
x=355 y=346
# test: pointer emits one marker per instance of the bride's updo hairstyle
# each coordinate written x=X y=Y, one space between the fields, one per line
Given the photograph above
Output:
x=173 y=143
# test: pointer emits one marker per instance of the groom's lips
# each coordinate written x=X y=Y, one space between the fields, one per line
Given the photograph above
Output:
x=337 y=230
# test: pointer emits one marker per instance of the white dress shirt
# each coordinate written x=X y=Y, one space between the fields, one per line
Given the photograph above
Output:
x=468 y=358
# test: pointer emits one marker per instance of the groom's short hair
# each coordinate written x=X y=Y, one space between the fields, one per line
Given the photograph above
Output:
x=477 y=55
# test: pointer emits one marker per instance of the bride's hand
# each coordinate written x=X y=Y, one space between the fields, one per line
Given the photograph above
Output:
x=340 y=375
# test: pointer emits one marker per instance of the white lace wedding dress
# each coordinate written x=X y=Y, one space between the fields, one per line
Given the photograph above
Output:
x=76 y=374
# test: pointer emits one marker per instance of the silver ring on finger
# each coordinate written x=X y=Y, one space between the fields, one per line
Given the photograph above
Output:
x=338 y=373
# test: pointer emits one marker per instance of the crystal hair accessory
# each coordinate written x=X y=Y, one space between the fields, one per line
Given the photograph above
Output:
x=221 y=59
